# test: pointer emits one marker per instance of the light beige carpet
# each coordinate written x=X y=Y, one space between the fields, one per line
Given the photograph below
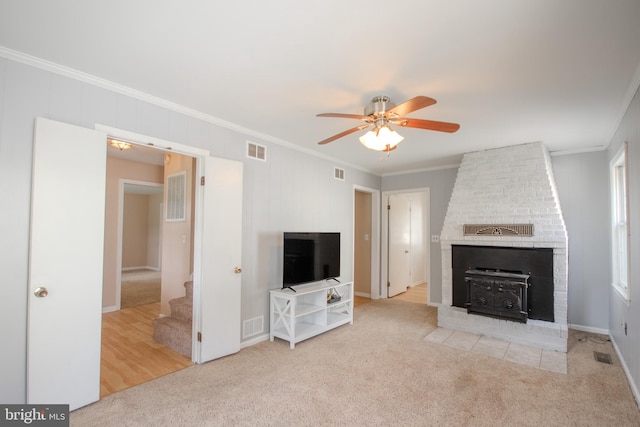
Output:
x=139 y=287
x=378 y=371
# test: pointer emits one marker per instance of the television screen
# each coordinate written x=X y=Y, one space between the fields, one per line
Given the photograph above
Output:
x=310 y=257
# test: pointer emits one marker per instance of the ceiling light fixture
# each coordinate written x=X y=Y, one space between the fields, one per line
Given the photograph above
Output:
x=121 y=145
x=381 y=139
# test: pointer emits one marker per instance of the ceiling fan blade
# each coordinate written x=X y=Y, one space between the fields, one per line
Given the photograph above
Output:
x=427 y=124
x=344 y=116
x=341 y=134
x=412 y=105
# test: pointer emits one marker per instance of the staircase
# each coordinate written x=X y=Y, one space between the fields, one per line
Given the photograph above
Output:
x=174 y=330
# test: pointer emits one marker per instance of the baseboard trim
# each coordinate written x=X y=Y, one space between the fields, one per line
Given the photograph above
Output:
x=254 y=341
x=589 y=329
x=362 y=294
x=110 y=309
x=142 y=267
x=627 y=372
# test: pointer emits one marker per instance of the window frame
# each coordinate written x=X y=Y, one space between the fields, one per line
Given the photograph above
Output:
x=619 y=180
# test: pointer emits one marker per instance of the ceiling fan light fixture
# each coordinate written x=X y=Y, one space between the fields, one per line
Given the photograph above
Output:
x=381 y=139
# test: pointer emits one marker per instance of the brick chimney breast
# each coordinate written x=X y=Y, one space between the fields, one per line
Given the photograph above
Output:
x=510 y=185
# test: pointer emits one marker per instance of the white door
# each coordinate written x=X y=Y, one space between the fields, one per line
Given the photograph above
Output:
x=220 y=288
x=65 y=258
x=399 y=244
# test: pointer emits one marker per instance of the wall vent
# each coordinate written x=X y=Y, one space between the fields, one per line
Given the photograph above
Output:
x=176 y=199
x=338 y=173
x=251 y=327
x=498 y=230
x=256 y=151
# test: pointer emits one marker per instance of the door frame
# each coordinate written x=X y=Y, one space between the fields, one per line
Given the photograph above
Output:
x=200 y=155
x=384 y=253
x=376 y=278
x=120 y=227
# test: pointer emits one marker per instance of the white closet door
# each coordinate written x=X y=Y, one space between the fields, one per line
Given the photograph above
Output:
x=221 y=260
x=399 y=245
x=66 y=257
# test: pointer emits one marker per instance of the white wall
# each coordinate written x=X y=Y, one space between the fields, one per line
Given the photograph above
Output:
x=583 y=188
x=628 y=343
x=291 y=191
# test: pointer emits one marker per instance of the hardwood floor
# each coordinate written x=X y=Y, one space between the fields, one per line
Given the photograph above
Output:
x=417 y=294
x=130 y=356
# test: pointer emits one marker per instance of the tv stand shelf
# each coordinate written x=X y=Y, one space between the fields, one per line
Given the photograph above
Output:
x=307 y=312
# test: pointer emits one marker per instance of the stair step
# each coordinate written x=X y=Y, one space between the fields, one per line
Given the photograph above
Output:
x=174 y=333
x=188 y=287
x=181 y=309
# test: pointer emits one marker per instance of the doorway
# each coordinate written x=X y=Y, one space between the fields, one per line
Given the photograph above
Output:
x=69 y=346
x=366 y=243
x=406 y=250
x=143 y=238
x=140 y=242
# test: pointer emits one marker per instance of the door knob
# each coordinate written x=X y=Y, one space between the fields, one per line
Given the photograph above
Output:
x=237 y=270
x=41 y=292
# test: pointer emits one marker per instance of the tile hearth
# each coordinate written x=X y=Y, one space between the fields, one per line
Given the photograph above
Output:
x=517 y=353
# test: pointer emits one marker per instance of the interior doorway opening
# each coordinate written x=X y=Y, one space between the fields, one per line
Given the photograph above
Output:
x=144 y=238
x=140 y=242
x=366 y=244
x=406 y=248
x=217 y=237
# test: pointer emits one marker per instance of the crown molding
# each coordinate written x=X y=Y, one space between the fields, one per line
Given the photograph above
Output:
x=154 y=100
x=624 y=107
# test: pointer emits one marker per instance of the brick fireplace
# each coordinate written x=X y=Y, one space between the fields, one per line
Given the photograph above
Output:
x=506 y=198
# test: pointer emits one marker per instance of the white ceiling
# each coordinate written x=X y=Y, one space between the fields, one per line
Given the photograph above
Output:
x=508 y=71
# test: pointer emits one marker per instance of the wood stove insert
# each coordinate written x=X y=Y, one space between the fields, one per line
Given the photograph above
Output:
x=537 y=263
x=497 y=294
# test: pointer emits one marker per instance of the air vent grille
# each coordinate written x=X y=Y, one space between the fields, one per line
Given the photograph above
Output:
x=256 y=151
x=498 y=230
x=251 y=327
x=338 y=173
x=602 y=357
x=176 y=200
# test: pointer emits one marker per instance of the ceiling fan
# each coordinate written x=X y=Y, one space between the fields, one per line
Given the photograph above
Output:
x=381 y=113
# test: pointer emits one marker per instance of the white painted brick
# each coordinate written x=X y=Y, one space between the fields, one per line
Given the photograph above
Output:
x=508 y=185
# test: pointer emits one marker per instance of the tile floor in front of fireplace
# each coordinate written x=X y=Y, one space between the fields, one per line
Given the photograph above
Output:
x=549 y=360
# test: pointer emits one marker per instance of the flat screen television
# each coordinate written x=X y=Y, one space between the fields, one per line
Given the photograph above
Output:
x=310 y=257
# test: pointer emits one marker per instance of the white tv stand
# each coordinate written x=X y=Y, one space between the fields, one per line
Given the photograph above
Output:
x=305 y=313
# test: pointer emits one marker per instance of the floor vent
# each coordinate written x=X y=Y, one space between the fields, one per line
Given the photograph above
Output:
x=251 y=327
x=602 y=357
x=256 y=151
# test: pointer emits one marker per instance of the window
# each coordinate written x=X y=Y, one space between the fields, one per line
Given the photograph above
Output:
x=619 y=223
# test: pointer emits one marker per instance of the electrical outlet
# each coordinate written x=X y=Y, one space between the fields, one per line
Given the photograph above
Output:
x=435 y=238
